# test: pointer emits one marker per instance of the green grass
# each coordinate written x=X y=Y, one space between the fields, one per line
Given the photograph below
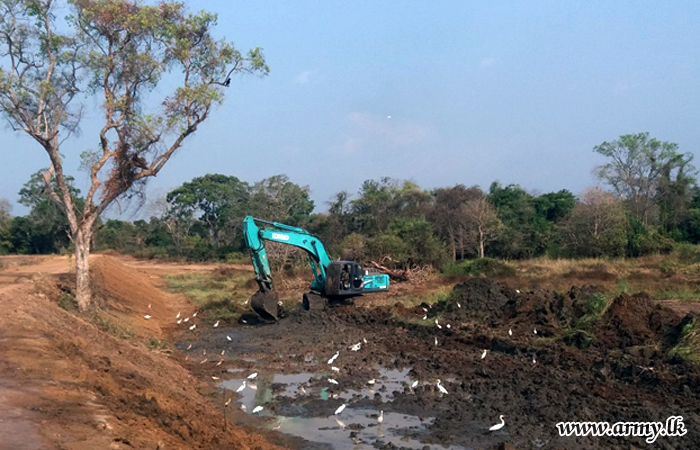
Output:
x=580 y=333
x=67 y=302
x=688 y=347
x=678 y=293
x=155 y=344
x=482 y=266
x=222 y=293
x=108 y=326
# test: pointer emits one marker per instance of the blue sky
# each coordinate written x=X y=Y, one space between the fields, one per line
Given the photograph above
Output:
x=438 y=92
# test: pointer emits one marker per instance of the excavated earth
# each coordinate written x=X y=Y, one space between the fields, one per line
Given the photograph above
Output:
x=67 y=383
x=616 y=371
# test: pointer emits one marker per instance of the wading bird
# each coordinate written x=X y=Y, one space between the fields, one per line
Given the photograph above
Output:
x=498 y=426
x=340 y=409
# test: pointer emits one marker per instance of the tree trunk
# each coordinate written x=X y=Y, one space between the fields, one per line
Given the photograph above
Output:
x=81 y=240
x=482 y=239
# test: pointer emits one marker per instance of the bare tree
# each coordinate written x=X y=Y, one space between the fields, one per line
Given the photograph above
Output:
x=482 y=224
x=596 y=226
x=118 y=50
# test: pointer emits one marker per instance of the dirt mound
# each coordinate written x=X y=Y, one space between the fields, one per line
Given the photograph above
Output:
x=83 y=388
x=481 y=298
x=498 y=305
x=635 y=320
x=128 y=295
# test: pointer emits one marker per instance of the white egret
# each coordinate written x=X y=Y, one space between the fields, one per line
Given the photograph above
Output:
x=252 y=375
x=222 y=352
x=216 y=324
x=219 y=363
x=244 y=321
x=228 y=402
x=364 y=340
x=510 y=332
x=149 y=306
x=436 y=342
x=189 y=346
x=214 y=378
x=257 y=409
x=340 y=409
x=335 y=369
x=425 y=317
x=333 y=358
x=340 y=423
x=414 y=384
x=534 y=361
x=178 y=315
x=380 y=419
x=146 y=317
x=498 y=426
x=459 y=305
x=243 y=408
x=332 y=381
x=483 y=355
x=535 y=330
x=193 y=327
x=372 y=381
x=241 y=387
x=449 y=326
x=194 y=315
x=441 y=387
x=186 y=319
x=179 y=321
x=356 y=347
x=204 y=360
x=229 y=338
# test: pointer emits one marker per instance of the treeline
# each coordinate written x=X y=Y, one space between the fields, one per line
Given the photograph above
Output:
x=653 y=205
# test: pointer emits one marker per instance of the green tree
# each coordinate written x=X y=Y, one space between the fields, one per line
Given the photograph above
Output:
x=49 y=231
x=278 y=199
x=5 y=224
x=637 y=168
x=407 y=242
x=118 y=51
x=216 y=199
x=525 y=233
x=382 y=201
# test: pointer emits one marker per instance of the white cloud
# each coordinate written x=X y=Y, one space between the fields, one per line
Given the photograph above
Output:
x=304 y=77
x=349 y=146
x=487 y=62
x=393 y=133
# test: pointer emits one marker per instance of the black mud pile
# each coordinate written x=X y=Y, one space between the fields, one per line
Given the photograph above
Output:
x=535 y=380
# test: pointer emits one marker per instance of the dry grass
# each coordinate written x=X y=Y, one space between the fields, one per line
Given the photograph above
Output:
x=663 y=277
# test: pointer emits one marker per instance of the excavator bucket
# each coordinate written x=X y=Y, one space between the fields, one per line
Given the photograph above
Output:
x=266 y=304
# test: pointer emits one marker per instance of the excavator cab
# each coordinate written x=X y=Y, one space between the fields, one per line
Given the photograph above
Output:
x=344 y=278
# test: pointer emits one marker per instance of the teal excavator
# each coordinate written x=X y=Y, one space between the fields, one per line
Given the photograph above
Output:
x=334 y=281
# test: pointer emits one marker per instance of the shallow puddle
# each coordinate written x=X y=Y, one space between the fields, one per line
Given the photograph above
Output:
x=354 y=428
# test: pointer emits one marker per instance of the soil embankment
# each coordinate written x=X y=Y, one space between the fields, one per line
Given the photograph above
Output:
x=67 y=383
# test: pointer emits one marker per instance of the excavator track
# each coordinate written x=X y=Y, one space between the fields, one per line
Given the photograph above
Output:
x=314 y=302
x=266 y=304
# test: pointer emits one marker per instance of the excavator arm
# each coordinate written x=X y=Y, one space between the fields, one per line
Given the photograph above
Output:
x=266 y=301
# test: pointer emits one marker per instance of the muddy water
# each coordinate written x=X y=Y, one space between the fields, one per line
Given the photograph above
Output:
x=291 y=404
